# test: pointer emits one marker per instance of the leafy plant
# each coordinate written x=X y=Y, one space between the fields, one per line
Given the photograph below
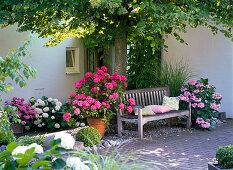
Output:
x=224 y=156
x=89 y=136
x=27 y=140
x=6 y=137
x=175 y=75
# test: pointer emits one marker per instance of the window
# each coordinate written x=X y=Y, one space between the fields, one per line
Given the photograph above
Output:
x=72 y=60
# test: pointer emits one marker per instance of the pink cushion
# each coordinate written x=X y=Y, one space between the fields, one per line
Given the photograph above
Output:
x=160 y=108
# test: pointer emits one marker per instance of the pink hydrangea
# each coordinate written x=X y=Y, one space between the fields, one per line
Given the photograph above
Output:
x=109 y=86
x=199 y=85
x=131 y=101
x=98 y=104
x=27 y=117
x=104 y=68
x=194 y=105
x=201 y=105
x=121 y=106
x=111 y=97
x=123 y=78
x=215 y=106
x=129 y=109
x=93 y=107
x=77 y=111
x=67 y=116
x=196 y=91
x=193 y=82
x=80 y=103
x=183 y=89
x=216 y=96
x=96 y=80
x=90 y=100
x=78 y=84
x=83 y=80
x=69 y=101
x=114 y=83
x=86 y=104
x=115 y=95
x=186 y=93
x=116 y=76
x=108 y=106
x=23 y=122
x=72 y=94
x=125 y=84
x=100 y=72
x=88 y=75
x=205 y=125
x=200 y=120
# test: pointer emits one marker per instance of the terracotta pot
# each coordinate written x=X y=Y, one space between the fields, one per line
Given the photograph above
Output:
x=98 y=124
x=16 y=128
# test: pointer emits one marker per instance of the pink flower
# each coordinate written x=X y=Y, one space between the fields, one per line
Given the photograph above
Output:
x=109 y=86
x=193 y=82
x=88 y=75
x=96 y=80
x=83 y=80
x=104 y=104
x=111 y=97
x=97 y=68
x=27 y=117
x=72 y=94
x=77 y=111
x=78 y=97
x=100 y=72
x=206 y=101
x=114 y=83
x=205 y=125
x=199 y=85
x=23 y=123
x=194 y=105
x=116 y=76
x=125 y=84
x=216 y=96
x=78 y=84
x=121 y=106
x=129 y=109
x=86 y=104
x=108 y=105
x=104 y=68
x=208 y=86
x=200 y=120
x=93 y=107
x=73 y=107
x=196 y=91
x=183 y=89
x=123 y=78
x=98 y=104
x=80 y=103
x=115 y=95
x=131 y=101
x=201 y=105
x=186 y=93
x=68 y=101
x=215 y=106
x=67 y=116
x=90 y=100
x=15 y=98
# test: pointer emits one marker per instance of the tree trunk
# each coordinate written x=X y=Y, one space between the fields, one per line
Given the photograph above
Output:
x=120 y=53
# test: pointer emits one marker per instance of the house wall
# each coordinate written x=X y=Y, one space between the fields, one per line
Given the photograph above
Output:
x=209 y=57
x=51 y=78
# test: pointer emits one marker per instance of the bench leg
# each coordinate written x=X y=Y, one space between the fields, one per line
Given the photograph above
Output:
x=119 y=125
x=140 y=125
x=188 y=126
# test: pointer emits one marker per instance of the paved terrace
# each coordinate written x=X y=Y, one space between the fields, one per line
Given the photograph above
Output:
x=190 y=150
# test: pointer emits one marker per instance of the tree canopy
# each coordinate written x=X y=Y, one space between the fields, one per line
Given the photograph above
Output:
x=104 y=22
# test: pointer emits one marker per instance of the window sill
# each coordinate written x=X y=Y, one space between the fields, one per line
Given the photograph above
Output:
x=73 y=72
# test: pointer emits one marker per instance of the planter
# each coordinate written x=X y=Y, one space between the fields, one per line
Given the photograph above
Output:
x=215 y=167
x=98 y=124
x=16 y=128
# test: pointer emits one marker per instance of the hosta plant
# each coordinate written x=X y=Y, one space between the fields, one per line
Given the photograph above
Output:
x=49 y=113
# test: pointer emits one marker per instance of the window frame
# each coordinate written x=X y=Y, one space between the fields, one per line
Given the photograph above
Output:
x=75 y=68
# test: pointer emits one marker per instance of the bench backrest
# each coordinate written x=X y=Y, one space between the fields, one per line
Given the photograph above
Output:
x=148 y=96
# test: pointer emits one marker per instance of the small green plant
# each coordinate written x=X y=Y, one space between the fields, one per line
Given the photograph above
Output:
x=89 y=136
x=224 y=156
x=6 y=137
x=27 y=140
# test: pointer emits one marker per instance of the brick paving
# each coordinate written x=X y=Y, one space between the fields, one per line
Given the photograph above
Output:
x=190 y=150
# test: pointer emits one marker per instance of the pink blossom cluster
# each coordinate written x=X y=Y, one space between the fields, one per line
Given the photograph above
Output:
x=215 y=106
x=217 y=96
x=129 y=108
x=24 y=112
x=203 y=124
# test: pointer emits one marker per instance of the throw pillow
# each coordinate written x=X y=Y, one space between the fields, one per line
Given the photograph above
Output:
x=171 y=102
x=145 y=111
x=160 y=108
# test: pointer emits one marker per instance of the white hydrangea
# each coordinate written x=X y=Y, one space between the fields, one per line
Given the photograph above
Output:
x=57 y=108
x=37 y=116
x=45 y=115
x=36 y=104
x=38 y=110
x=40 y=125
x=53 y=111
x=57 y=126
x=36 y=122
x=39 y=100
x=55 y=100
x=58 y=104
x=38 y=148
x=42 y=103
x=76 y=164
x=46 y=109
x=50 y=99
x=52 y=117
x=67 y=141
x=33 y=107
x=19 y=149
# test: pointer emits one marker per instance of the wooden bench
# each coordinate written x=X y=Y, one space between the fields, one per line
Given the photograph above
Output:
x=144 y=97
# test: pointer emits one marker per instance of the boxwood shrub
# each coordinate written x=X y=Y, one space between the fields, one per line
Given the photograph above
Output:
x=224 y=156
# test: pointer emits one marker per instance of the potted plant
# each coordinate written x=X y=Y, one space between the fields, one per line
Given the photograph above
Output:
x=224 y=156
x=96 y=99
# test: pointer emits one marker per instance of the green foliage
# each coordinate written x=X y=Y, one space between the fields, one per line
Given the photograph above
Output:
x=6 y=137
x=224 y=156
x=27 y=140
x=89 y=136
x=13 y=66
x=175 y=75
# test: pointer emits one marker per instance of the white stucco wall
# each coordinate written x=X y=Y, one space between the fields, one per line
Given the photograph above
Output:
x=210 y=57
x=49 y=62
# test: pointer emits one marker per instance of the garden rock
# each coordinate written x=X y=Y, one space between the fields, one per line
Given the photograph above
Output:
x=217 y=121
x=47 y=140
x=82 y=124
x=78 y=146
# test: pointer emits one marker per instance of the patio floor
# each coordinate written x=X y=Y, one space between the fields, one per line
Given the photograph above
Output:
x=182 y=151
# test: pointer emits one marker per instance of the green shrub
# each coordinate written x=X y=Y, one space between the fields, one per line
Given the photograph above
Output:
x=224 y=156
x=6 y=137
x=27 y=140
x=89 y=136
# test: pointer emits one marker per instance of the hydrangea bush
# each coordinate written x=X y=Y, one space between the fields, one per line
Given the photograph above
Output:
x=204 y=101
x=96 y=96
x=49 y=113
x=24 y=111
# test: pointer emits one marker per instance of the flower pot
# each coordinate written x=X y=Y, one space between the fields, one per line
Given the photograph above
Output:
x=16 y=128
x=98 y=124
x=215 y=167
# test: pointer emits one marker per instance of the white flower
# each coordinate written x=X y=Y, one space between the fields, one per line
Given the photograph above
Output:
x=76 y=164
x=40 y=125
x=19 y=149
x=46 y=109
x=27 y=127
x=38 y=148
x=45 y=115
x=33 y=107
x=53 y=111
x=82 y=124
x=52 y=117
x=43 y=124
x=36 y=104
x=55 y=100
x=38 y=110
x=42 y=103
x=67 y=141
x=57 y=126
x=58 y=104
x=39 y=100
x=50 y=99
x=57 y=108
x=36 y=122
x=37 y=116
x=77 y=124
